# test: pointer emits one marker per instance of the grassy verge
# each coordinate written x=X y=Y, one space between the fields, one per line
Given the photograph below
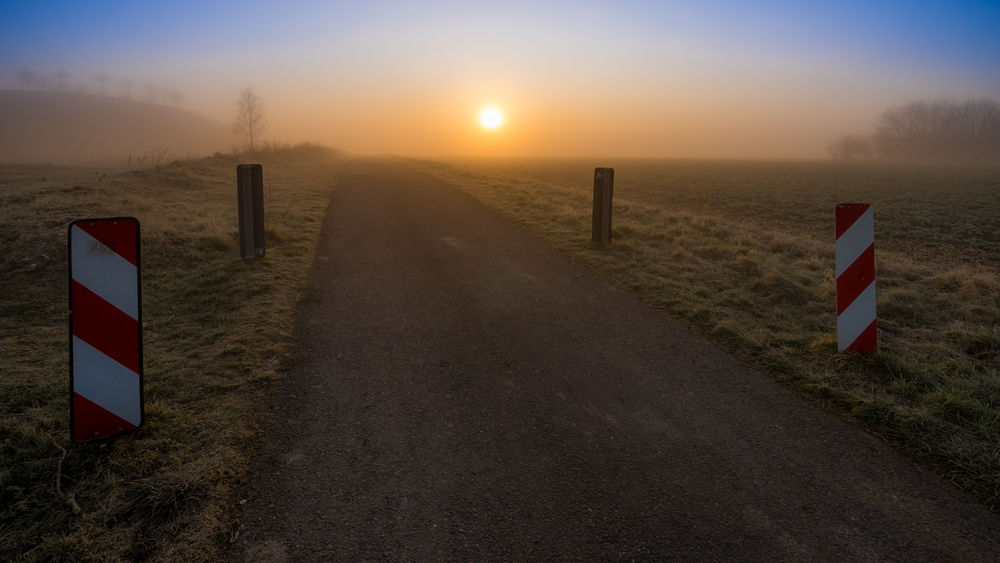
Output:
x=743 y=253
x=215 y=330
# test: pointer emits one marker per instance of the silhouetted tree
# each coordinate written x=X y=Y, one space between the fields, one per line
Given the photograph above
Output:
x=850 y=147
x=979 y=117
x=249 y=116
x=941 y=130
x=61 y=77
x=151 y=92
x=127 y=84
x=100 y=78
x=25 y=76
x=173 y=96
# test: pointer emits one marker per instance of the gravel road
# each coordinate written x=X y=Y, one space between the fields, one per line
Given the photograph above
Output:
x=461 y=391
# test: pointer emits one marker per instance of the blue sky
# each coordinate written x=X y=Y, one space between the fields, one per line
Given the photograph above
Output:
x=731 y=78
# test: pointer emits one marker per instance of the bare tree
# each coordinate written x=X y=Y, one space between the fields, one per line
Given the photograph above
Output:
x=977 y=115
x=941 y=130
x=61 y=77
x=100 y=78
x=127 y=84
x=850 y=147
x=25 y=76
x=151 y=92
x=42 y=80
x=158 y=154
x=173 y=96
x=249 y=116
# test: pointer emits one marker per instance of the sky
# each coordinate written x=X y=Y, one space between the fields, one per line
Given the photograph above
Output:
x=712 y=78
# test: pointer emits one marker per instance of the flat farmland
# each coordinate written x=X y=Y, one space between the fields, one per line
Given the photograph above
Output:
x=743 y=253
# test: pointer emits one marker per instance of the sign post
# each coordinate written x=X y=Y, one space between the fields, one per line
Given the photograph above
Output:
x=604 y=186
x=105 y=326
x=855 y=272
x=250 y=200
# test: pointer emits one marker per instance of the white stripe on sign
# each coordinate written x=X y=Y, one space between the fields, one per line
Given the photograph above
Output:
x=102 y=271
x=856 y=318
x=855 y=241
x=106 y=382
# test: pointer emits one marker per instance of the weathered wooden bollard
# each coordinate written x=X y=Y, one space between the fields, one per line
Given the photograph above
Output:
x=604 y=187
x=250 y=200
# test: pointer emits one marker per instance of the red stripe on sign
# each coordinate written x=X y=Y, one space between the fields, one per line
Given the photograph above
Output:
x=92 y=422
x=847 y=214
x=120 y=235
x=105 y=327
x=867 y=341
x=858 y=276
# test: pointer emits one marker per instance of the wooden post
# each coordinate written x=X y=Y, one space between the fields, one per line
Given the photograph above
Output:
x=604 y=187
x=250 y=200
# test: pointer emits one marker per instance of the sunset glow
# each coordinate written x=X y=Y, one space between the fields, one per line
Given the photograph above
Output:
x=660 y=79
x=491 y=118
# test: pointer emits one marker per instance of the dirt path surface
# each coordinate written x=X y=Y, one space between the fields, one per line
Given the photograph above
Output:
x=461 y=391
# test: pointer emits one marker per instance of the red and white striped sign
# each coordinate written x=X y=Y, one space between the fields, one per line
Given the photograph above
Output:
x=856 y=278
x=105 y=328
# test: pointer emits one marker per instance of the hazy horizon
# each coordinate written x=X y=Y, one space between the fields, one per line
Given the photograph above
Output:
x=622 y=79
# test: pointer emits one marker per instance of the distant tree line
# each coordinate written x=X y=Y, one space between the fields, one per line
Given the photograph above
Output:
x=935 y=131
x=59 y=82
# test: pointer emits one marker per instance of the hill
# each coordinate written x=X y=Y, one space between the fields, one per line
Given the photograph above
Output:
x=61 y=127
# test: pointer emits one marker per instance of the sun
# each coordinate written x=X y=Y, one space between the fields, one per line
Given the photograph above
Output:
x=491 y=117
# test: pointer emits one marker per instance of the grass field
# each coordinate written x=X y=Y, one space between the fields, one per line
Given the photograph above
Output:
x=740 y=251
x=743 y=252
x=215 y=331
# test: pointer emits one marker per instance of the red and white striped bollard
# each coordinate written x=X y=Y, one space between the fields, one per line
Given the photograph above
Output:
x=855 y=271
x=105 y=328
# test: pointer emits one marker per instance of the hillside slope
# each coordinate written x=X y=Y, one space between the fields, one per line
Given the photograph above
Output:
x=58 y=127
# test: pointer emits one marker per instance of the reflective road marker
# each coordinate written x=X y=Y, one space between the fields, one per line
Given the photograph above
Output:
x=105 y=320
x=855 y=271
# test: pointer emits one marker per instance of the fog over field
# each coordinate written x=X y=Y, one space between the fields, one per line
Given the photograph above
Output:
x=707 y=79
x=68 y=127
x=455 y=384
